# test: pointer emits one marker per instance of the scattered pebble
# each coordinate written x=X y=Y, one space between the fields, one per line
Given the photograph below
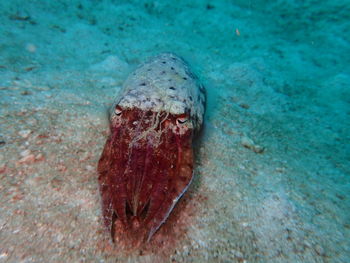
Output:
x=59 y=238
x=244 y=106
x=39 y=157
x=3 y=255
x=25 y=153
x=26 y=92
x=280 y=169
x=237 y=254
x=61 y=168
x=27 y=159
x=30 y=47
x=249 y=143
x=30 y=68
x=319 y=250
x=245 y=224
x=259 y=149
x=25 y=133
x=89 y=168
x=306 y=243
x=238 y=33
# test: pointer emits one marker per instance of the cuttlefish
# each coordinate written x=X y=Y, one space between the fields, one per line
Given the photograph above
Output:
x=147 y=162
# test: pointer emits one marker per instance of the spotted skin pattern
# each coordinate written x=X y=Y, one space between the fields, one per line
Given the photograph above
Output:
x=147 y=162
x=164 y=83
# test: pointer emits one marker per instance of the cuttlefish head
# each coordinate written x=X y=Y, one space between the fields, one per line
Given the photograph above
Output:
x=146 y=166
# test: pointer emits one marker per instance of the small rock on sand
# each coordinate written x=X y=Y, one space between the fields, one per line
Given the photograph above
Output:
x=25 y=153
x=25 y=133
x=89 y=168
x=27 y=159
x=30 y=47
x=39 y=157
x=249 y=143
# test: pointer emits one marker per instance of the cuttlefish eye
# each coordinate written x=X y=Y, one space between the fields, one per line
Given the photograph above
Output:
x=118 y=110
x=182 y=119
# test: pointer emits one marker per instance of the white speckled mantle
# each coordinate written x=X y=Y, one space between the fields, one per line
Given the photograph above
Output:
x=164 y=83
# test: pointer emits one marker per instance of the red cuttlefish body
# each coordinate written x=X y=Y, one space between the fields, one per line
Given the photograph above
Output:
x=147 y=162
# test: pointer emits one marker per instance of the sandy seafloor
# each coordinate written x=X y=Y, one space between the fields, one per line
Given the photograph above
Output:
x=272 y=177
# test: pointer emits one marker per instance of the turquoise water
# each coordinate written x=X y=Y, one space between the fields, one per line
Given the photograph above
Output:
x=277 y=75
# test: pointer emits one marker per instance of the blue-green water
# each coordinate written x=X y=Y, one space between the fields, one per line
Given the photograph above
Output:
x=276 y=73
